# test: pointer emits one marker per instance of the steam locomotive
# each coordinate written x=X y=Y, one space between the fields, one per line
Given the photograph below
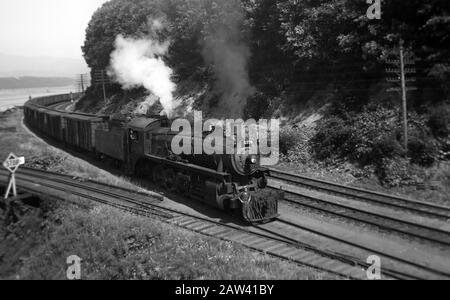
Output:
x=142 y=146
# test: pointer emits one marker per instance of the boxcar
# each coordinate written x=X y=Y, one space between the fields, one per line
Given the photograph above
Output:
x=54 y=125
x=40 y=119
x=29 y=114
x=80 y=131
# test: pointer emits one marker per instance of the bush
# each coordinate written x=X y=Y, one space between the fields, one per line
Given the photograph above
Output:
x=295 y=144
x=331 y=138
x=422 y=152
x=439 y=122
x=372 y=136
x=365 y=138
x=289 y=138
x=398 y=171
x=387 y=147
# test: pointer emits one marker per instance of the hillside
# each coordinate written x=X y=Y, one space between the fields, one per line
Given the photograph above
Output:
x=316 y=64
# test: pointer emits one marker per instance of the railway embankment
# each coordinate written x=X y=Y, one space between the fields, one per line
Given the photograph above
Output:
x=37 y=246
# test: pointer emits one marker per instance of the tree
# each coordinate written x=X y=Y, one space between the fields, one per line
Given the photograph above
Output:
x=129 y=18
x=291 y=42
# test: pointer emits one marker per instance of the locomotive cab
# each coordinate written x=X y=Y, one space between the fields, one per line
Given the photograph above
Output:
x=144 y=138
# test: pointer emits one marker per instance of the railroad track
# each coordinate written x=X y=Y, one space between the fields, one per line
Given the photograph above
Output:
x=432 y=231
x=278 y=246
x=273 y=243
x=384 y=222
x=414 y=206
x=394 y=265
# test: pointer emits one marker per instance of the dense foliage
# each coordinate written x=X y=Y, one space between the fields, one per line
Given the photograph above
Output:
x=295 y=48
x=374 y=137
x=291 y=41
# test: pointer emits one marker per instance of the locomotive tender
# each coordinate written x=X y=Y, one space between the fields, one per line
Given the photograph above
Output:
x=142 y=146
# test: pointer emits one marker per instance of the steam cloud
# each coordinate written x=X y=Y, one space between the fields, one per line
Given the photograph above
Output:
x=229 y=55
x=138 y=63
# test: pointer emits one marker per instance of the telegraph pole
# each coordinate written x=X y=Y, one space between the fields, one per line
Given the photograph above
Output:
x=103 y=84
x=102 y=78
x=82 y=82
x=401 y=71
x=405 y=105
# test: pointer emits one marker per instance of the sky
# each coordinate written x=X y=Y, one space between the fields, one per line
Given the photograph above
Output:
x=50 y=28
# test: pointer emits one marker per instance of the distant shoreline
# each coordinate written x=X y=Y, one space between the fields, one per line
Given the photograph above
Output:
x=30 y=82
x=10 y=98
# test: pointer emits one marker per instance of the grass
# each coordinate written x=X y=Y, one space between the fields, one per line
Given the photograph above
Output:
x=115 y=245
x=111 y=243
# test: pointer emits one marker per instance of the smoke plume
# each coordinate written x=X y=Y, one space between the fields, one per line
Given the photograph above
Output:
x=227 y=52
x=138 y=63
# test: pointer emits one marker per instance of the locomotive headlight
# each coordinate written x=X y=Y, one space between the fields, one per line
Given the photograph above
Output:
x=253 y=160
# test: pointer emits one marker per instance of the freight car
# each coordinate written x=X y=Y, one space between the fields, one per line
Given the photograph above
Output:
x=73 y=130
x=80 y=131
x=142 y=146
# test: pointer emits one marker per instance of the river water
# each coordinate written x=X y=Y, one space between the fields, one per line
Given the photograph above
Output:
x=18 y=97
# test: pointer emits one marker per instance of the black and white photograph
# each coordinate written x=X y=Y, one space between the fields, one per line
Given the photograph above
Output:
x=224 y=148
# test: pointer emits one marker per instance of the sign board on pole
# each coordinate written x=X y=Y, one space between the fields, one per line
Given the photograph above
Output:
x=12 y=163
